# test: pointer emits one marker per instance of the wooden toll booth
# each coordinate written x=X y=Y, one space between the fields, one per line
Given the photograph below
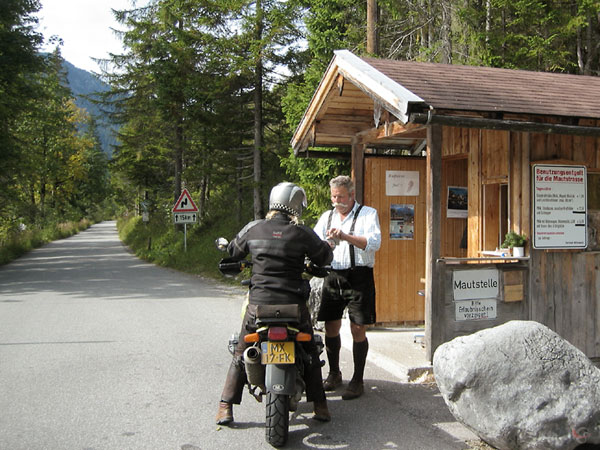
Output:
x=453 y=157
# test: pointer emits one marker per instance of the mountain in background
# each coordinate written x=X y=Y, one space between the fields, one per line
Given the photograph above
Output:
x=85 y=84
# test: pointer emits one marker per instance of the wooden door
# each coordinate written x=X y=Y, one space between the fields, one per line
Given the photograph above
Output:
x=400 y=262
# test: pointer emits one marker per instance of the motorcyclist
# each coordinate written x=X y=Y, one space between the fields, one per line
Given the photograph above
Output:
x=278 y=246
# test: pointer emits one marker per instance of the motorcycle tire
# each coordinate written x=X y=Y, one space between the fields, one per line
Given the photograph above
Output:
x=277 y=419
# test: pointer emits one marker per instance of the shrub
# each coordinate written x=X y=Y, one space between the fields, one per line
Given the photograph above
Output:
x=513 y=239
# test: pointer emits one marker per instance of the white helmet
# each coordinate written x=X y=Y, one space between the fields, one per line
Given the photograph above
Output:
x=289 y=198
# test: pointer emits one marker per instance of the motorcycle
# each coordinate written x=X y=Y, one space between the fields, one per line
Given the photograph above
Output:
x=274 y=360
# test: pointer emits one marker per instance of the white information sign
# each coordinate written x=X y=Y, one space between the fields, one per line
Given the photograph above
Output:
x=483 y=309
x=559 y=206
x=185 y=217
x=475 y=284
x=401 y=182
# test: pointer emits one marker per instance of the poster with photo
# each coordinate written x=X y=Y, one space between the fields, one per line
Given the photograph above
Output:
x=458 y=205
x=402 y=222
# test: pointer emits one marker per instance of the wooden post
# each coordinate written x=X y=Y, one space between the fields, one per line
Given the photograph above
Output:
x=358 y=164
x=434 y=295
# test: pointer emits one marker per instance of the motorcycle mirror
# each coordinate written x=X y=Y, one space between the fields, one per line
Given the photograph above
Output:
x=221 y=243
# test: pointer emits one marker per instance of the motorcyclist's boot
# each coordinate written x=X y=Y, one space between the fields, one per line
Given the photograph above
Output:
x=225 y=413
x=322 y=412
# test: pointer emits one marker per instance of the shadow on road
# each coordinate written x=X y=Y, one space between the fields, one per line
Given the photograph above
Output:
x=389 y=416
x=95 y=261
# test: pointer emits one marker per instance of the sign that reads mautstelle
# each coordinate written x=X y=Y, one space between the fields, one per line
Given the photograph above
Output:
x=475 y=284
x=475 y=293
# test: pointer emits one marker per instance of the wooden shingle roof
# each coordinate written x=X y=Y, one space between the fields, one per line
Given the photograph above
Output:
x=361 y=98
x=486 y=89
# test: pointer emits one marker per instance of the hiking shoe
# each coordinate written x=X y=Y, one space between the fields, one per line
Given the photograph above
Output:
x=333 y=380
x=322 y=412
x=354 y=390
x=225 y=413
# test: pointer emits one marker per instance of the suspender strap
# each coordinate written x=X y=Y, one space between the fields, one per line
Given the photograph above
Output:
x=329 y=219
x=356 y=213
x=352 y=257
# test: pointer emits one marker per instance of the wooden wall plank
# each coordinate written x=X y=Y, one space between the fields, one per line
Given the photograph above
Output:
x=494 y=154
x=524 y=226
x=538 y=147
x=454 y=173
x=399 y=264
x=475 y=220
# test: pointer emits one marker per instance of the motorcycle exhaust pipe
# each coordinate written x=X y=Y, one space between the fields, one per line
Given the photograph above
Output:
x=255 y=371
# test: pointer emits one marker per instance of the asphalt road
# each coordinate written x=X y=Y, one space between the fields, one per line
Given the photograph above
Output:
x=102 y=351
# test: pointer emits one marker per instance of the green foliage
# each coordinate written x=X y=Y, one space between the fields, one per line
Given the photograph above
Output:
x=61 y=175
x=208 y=93
x=49 y=173
x=158 y=241
x=314 y=176
x=20 y=63
x=513 y=239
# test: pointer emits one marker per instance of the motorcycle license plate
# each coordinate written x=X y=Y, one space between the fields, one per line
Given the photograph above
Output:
x=278 y=352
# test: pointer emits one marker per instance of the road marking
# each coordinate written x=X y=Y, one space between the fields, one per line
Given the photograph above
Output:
x=306 y=441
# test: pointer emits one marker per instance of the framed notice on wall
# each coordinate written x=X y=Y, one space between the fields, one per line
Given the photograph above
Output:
x=559 y=206
x=401 y=182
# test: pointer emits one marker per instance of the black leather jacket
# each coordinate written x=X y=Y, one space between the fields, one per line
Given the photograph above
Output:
x=278 y=249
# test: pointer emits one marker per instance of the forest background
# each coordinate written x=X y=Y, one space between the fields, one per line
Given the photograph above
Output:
x=207 y=95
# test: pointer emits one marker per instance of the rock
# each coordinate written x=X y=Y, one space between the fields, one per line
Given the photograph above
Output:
x=521 y=386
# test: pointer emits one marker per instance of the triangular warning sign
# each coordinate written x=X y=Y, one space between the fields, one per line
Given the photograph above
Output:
x=185 y=203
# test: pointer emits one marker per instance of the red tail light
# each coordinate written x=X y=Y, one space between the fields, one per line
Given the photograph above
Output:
x=277 y=334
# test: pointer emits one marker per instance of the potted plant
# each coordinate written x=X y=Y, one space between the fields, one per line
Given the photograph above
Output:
x=516 y=242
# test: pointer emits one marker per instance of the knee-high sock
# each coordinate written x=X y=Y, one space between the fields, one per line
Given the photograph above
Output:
x=359 y=354
x=333 y=345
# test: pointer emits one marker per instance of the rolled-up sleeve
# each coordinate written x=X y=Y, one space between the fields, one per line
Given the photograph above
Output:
x=372 y=231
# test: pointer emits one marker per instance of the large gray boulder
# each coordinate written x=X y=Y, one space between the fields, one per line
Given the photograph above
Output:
x=521 y=386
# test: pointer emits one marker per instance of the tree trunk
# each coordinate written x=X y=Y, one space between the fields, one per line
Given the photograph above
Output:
x=178 y=119
x=258 y=116
x=446 y=28
x=178 y=160
x=372 y=28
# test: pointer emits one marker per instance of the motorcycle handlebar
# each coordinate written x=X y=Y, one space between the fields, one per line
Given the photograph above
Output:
x=229 y=267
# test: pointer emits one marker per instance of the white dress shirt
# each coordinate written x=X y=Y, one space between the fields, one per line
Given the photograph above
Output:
x=367 y=225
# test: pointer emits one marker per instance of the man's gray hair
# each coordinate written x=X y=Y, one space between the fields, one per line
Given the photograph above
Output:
x=343 y=181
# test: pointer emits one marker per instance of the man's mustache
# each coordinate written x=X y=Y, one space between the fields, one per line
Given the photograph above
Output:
x=343 y=205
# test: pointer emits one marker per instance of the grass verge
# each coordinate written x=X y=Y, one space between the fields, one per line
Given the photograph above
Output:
x=16 y=244
x=160 y=243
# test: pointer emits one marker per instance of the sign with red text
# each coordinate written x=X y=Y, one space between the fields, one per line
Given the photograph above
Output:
x=559 y=206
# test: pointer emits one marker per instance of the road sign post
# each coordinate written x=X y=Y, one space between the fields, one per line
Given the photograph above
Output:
x=185 y=211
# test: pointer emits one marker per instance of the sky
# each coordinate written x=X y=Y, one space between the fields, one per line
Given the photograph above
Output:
x=85 y=28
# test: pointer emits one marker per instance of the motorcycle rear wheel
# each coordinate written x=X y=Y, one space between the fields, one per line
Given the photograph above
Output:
x=277 y=419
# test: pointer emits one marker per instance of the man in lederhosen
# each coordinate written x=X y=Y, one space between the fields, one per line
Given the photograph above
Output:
x=353 y=230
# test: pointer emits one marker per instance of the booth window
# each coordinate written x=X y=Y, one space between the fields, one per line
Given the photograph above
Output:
x=495 y=214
